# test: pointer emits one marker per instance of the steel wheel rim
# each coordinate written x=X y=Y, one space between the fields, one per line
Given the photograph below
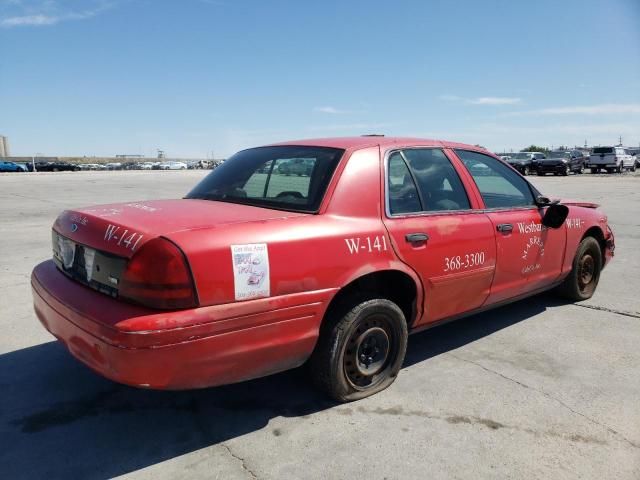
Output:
x=586 y=272
x=369 y=351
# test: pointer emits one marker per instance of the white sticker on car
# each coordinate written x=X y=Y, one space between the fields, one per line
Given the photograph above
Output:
x=250 y=270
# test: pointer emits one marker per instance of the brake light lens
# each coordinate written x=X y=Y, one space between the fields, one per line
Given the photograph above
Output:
x=158 y=277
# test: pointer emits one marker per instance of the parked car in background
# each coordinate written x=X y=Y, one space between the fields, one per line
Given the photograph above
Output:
x=505 y=158
x=25 y=166
x=173 y=166
x=611 y=159
x=250 y=273
x=296 y=166
x=525 y=162
x=561 y=162
x=635 y=153
x=10 y=167
x=57 y=166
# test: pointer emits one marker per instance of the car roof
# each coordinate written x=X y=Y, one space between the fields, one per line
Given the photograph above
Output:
x=355 y=143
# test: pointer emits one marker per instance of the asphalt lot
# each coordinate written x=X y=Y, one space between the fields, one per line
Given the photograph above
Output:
x=537 y=389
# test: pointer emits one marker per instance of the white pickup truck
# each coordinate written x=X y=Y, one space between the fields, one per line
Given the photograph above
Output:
x=611 y=159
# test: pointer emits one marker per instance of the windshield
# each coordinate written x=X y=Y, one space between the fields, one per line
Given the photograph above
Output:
x=521 y=156
x=599 y=150
x=560 y=154
x=283 y=177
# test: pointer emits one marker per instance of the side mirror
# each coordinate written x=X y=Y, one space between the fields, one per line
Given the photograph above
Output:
x=542 y=201
x=555 y=215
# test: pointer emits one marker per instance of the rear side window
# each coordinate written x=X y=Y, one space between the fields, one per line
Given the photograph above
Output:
x=424 y=180
x=402 y=191
x=499 y=185
x=284 y=177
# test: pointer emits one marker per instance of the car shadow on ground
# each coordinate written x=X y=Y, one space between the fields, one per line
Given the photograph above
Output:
x=60 y=420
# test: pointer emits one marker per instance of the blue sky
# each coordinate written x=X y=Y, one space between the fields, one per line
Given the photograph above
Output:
x=105 y=77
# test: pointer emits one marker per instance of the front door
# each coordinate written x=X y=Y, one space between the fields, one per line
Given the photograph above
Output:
x=529 y=255
x=434 y=230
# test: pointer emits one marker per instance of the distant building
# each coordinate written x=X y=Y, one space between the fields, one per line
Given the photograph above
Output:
x=4 y=147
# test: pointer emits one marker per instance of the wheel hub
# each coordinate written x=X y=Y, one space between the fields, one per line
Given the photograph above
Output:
x=372 y=351
x=587 y=270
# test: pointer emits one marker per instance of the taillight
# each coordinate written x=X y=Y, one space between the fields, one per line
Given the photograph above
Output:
x=158 y=276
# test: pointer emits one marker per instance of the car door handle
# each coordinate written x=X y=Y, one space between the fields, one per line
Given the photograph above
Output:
x=416 y=237
x=505 y=227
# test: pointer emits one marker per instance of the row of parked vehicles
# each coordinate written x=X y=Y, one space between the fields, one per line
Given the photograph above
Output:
x=60 y=166
x=564 y=162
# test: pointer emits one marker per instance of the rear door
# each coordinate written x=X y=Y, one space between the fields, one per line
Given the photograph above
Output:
x=529 y=255
x=434 y=229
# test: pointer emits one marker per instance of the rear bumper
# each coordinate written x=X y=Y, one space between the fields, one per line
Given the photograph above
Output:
x=177 y=350
x=610 y=246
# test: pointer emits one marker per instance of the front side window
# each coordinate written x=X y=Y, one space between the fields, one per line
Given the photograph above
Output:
x=283 y=177
x=499 y=185
x=424 y=180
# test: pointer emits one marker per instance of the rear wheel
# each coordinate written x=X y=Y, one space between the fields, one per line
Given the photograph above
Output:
x=360 y=350
x=580 y=169
x=585 y=272
x=620 y=168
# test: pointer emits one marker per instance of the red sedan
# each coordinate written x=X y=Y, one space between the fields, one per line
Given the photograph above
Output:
x=258 y=270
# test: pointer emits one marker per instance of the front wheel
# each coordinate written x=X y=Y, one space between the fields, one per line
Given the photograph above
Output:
x=360 y=350
x=526 y=171
x=566 y=171
x=585 y=272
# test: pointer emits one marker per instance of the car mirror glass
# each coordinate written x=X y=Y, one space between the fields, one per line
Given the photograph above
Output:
x=542 y=201
x=555 y=215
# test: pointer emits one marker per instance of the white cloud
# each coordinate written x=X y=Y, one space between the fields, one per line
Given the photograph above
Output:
x=28 y=20
x=482 y=100
x=330 y=110
x=604 y=109
x=32 y=13
x=495 y=101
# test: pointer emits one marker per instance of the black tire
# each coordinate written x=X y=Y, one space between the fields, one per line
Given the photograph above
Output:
x=540 y=173
x=620 y=168
x=566 y=171
x=585 y=272
x=633 y=167
x=526 y=171
x=580 y=170
x=372 y=335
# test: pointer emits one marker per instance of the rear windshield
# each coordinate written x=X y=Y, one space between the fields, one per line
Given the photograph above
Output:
x=599 y=150
x=282 y=177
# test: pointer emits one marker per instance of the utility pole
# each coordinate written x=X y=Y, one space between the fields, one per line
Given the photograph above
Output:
x=620 y=138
